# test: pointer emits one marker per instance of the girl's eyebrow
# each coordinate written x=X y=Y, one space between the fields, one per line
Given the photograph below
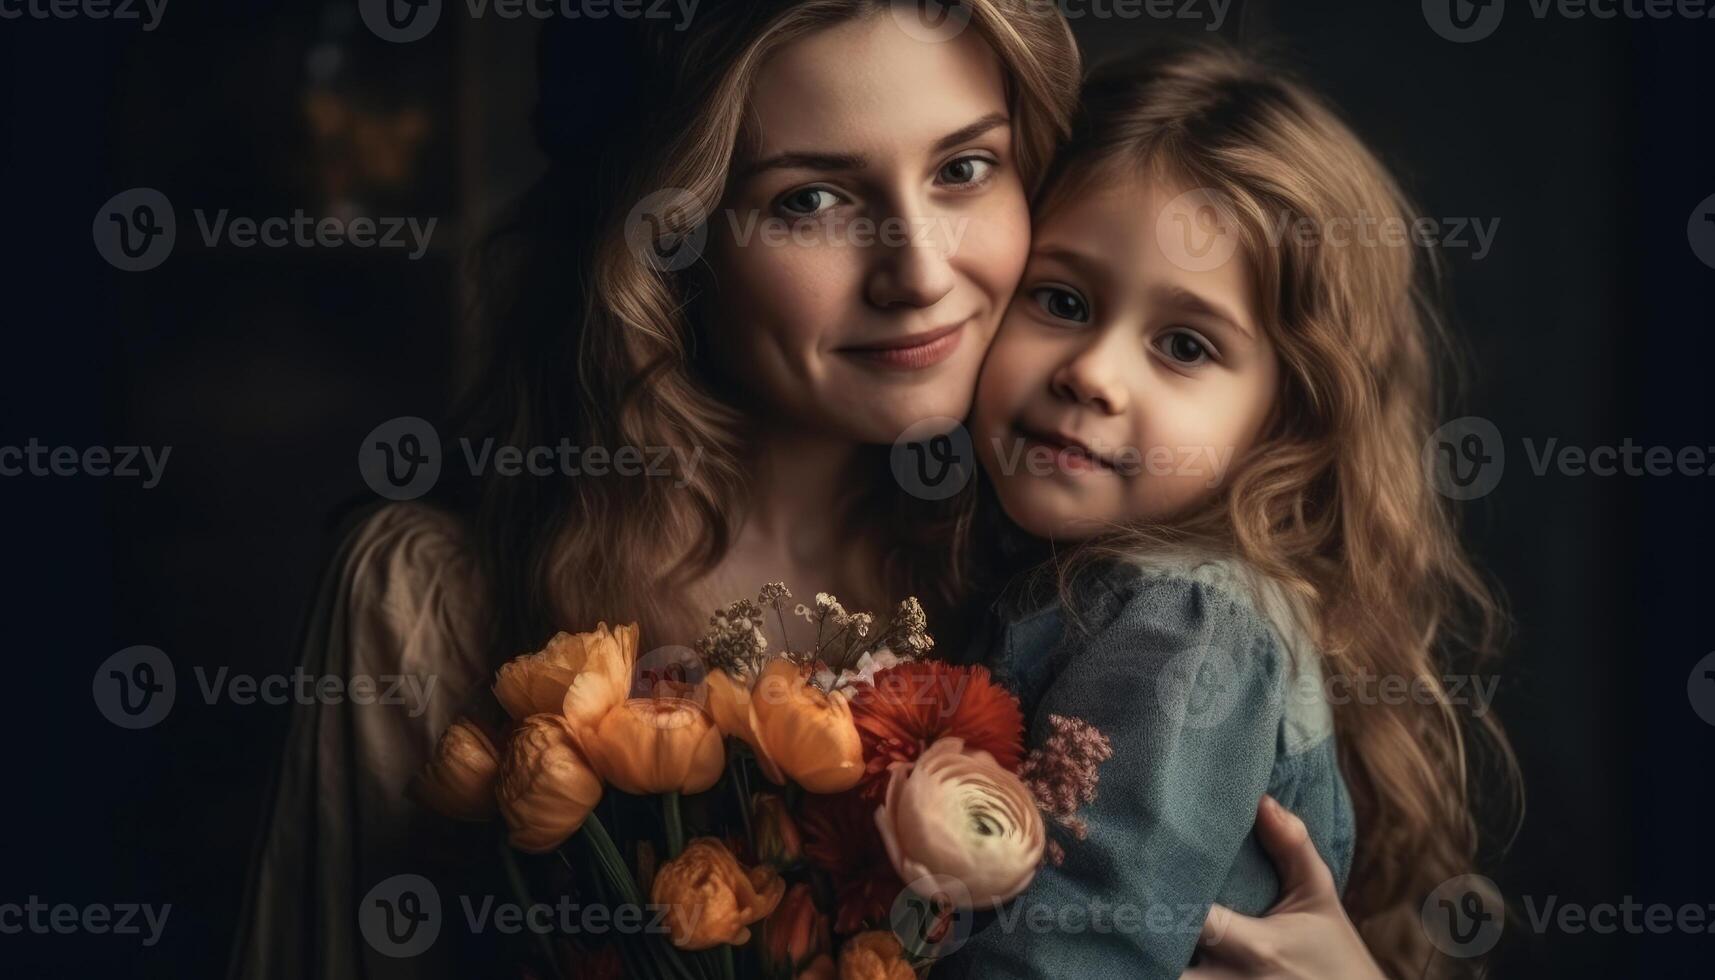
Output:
x=816 y=160
x=1192 y=303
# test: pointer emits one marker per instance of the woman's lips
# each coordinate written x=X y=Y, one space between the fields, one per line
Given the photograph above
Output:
x=913 y=352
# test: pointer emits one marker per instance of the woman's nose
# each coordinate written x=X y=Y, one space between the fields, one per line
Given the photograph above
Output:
x=912 y=268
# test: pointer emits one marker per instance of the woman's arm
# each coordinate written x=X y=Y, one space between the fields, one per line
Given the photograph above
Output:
x=1306 y=934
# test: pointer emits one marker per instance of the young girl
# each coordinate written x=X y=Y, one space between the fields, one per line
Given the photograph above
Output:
x=1217 y=392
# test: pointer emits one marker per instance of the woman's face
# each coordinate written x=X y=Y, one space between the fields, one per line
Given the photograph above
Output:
x=872 y=231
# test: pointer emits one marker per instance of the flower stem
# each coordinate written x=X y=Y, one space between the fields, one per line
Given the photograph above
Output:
x=675 y=824
x=522 y=891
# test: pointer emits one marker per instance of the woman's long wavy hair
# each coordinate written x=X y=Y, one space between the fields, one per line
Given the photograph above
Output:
x=1334 y=503
x=586 y=340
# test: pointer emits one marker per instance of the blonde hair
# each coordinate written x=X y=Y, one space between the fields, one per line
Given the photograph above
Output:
x=1333 y=505
x=598 y=345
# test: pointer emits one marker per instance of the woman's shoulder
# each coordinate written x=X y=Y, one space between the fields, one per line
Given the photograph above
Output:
x=409 y=584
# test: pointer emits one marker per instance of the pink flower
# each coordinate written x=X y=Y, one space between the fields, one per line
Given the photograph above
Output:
x=957 y=822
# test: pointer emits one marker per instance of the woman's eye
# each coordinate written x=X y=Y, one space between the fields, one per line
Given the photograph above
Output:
x=1184 y=348
x=1062 y=304
x=966 y=170
x=808 y=201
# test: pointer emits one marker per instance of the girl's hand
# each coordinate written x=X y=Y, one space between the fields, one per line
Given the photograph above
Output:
x=1306 y=934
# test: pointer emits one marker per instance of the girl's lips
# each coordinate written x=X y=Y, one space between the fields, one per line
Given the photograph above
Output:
x=1068 y=457
x=914 y=352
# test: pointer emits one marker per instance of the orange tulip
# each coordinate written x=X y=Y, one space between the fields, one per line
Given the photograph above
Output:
x=655 y=745
x=874 y=955
x=538 y=682
x=796 y=935
x=711 y=899
x=546 y=789
x=775 y=835
x=796 y=729
x=459 y=781
x=808 y=732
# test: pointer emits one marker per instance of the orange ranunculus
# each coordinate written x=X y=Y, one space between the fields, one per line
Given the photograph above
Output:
x=546 y=788
x=874 y=955
x=654 y=745
x=536 y=683
x=796 y=729
x=459 y=781
x=711 y=898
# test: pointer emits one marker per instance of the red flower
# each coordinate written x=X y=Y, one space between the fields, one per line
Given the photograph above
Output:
x=914 y=704
x=841 y=838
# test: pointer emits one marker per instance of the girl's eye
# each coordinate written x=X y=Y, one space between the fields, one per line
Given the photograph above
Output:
x=966 y=170
x=1184 y=348
x=808 y=201
x=1062 y=304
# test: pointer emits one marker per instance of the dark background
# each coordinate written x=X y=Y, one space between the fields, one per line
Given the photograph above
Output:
x=263 y=368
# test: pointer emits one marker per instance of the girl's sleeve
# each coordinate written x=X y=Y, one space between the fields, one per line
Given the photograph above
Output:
x=1185 y=683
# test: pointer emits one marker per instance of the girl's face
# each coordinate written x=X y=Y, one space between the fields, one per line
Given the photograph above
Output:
x=872 y=233
x=1127 y=378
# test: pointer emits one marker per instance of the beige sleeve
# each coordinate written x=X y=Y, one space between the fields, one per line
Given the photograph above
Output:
x=396 y=617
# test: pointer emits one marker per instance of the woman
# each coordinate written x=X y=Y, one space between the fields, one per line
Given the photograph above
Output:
x=772 y=373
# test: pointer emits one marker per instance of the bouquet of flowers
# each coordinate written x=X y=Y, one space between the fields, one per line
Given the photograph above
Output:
x=854 y=788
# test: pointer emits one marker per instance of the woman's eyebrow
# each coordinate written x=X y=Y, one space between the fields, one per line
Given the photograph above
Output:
x=814 y=160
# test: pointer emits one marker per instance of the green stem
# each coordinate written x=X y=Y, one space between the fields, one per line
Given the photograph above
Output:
x=675 y=824
x=522 y=891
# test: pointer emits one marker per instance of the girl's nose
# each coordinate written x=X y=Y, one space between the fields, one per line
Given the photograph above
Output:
x=1092 y=377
